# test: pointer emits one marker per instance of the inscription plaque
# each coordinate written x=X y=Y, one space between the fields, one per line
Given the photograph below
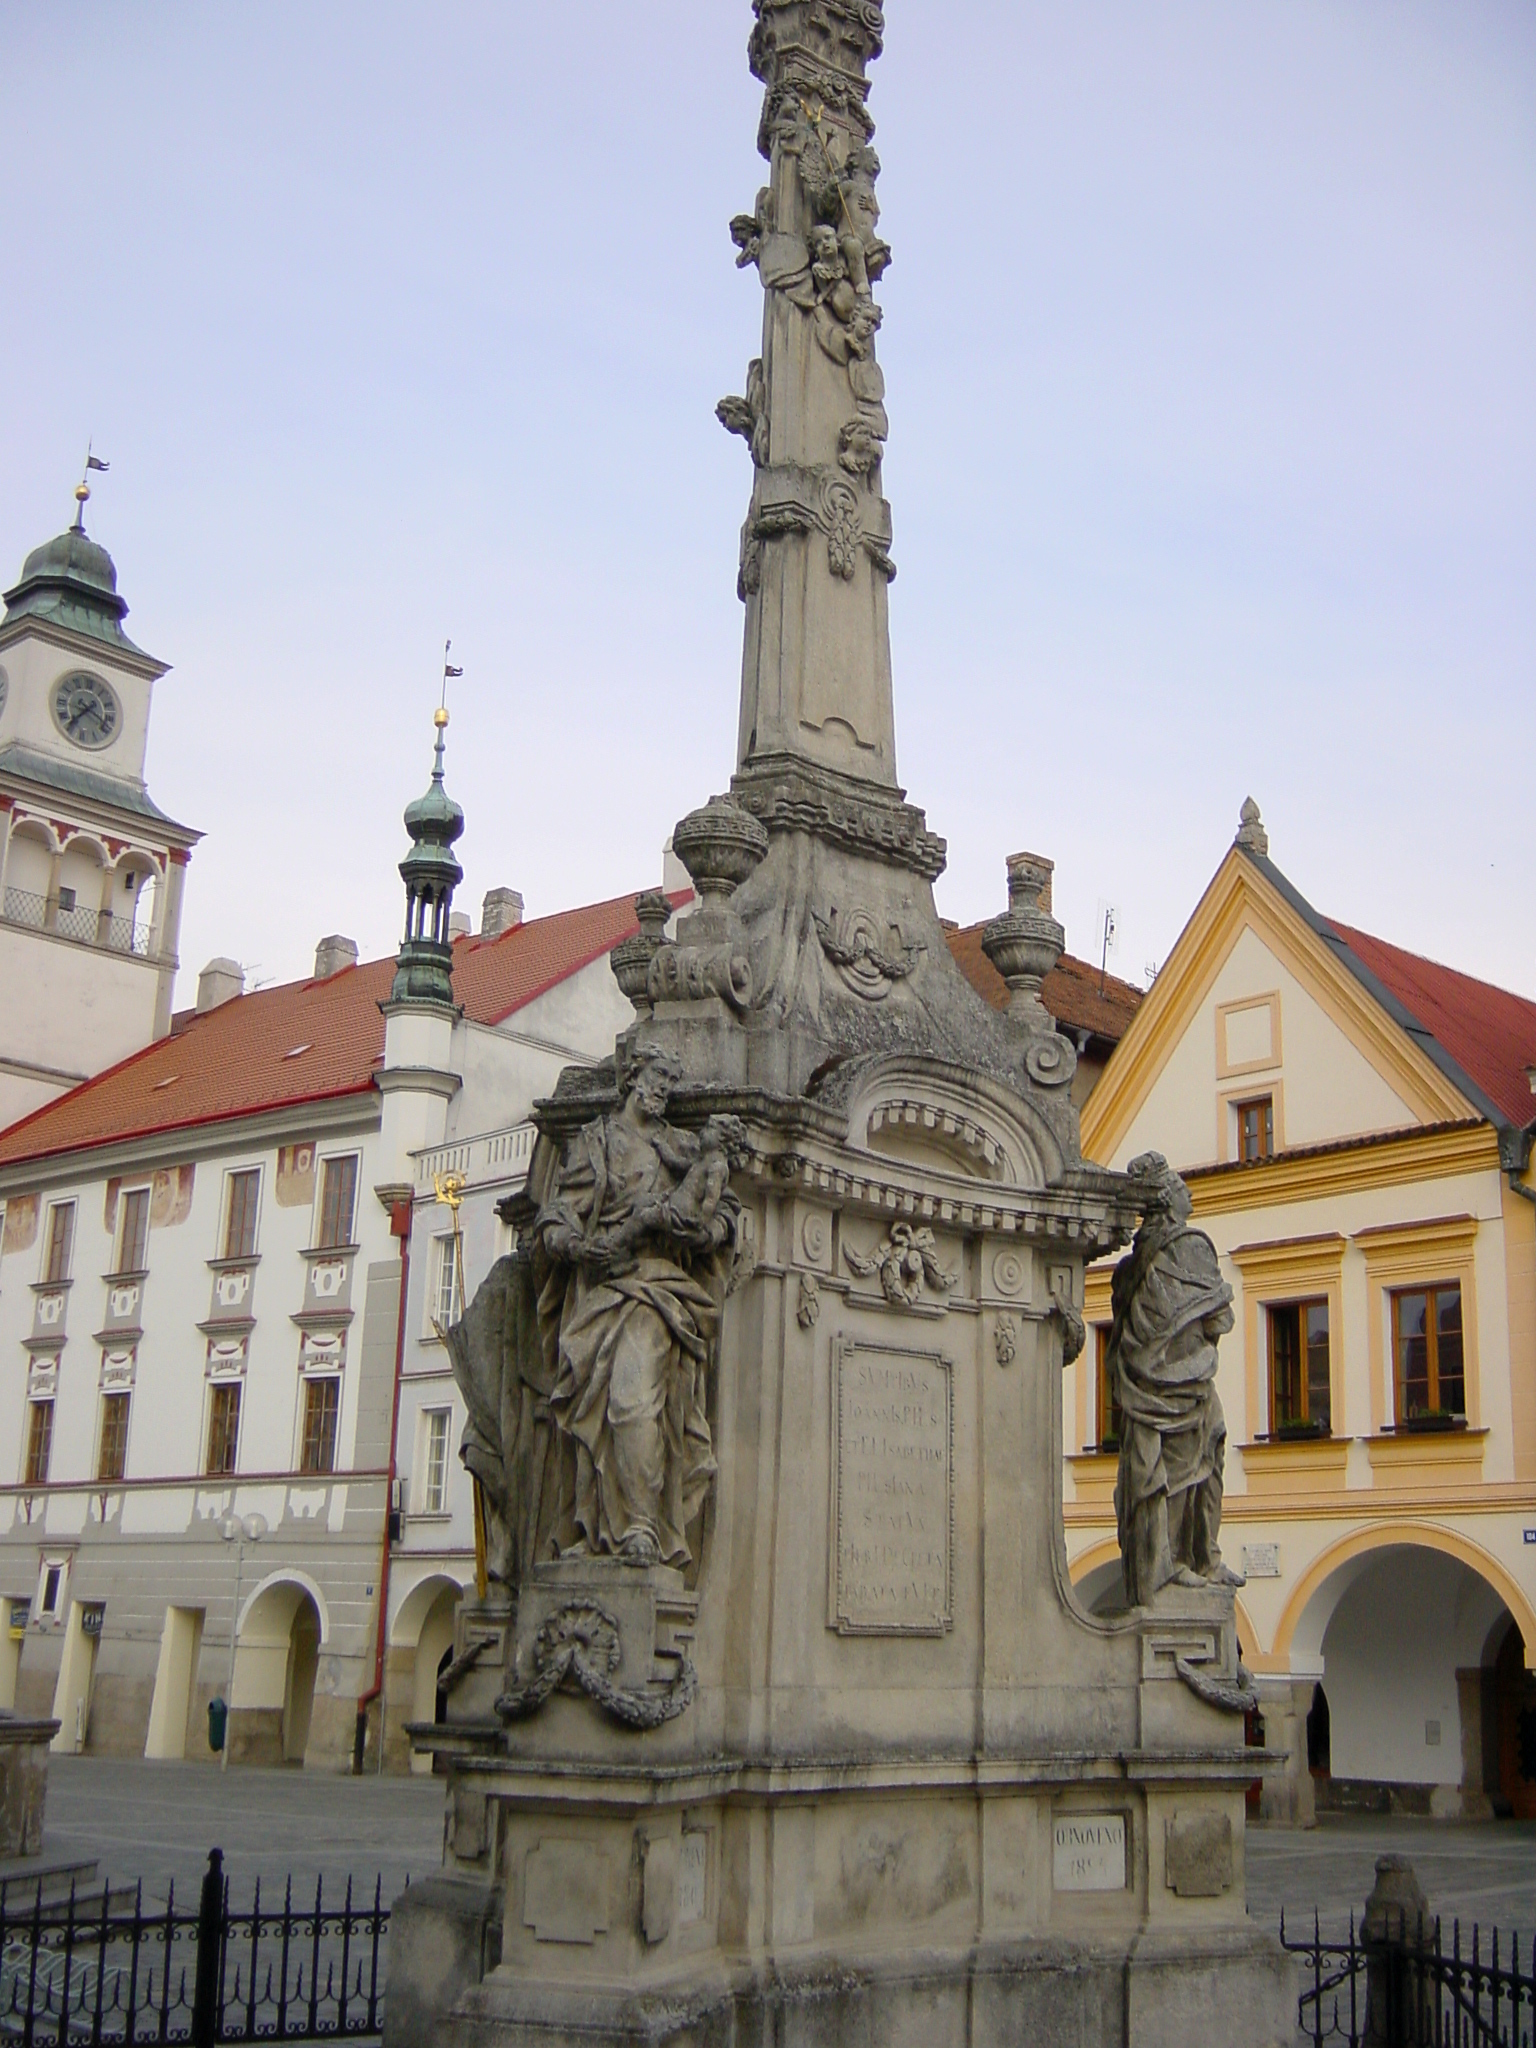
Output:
x=893 y=1492
x=692 y=1869
x=1088 y=1853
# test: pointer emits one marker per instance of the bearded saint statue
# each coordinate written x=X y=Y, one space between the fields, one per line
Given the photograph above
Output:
x=1171 y=1306
x=638 y=1232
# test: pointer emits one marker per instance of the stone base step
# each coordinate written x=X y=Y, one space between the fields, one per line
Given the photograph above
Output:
x=27 y=1880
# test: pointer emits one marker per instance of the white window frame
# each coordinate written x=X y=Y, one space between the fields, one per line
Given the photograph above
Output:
x=322 y=1161
x=46 y=1234
x=49 y=1399
x=442 y=1254
x=210 y=1386
x=427 y=1418
x=140 y=1187
x=230 y=1175
x=103 y=1395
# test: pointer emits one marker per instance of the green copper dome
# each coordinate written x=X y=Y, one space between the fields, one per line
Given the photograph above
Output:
x=424 y=964
x=72 y=581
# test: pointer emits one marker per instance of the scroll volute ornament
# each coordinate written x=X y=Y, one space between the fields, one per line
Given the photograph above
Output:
x=1025 y=943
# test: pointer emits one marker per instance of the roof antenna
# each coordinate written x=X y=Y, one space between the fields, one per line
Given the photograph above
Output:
x=83 y=488
x=1109 y=930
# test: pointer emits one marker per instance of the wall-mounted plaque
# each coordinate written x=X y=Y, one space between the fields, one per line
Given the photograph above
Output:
x=1088 y=1853
x=892 y=1491
x=692 y=1872
x=1261 y=1560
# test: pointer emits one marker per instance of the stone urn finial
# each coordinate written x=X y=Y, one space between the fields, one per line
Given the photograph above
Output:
x=1025 y=943
x=631 y=958
x=719 y=845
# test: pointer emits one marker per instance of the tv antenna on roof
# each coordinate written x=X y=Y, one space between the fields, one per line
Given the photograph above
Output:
x=1108 y=922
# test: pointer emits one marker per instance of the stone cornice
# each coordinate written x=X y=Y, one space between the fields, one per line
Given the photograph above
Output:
x=85 y=646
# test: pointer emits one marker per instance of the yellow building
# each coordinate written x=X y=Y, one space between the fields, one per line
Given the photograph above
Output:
x=1355 y=1125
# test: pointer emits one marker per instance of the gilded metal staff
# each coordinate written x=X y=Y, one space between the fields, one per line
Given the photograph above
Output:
x=449 y=1190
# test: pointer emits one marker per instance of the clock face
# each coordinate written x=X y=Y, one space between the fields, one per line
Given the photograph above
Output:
x=86 y=710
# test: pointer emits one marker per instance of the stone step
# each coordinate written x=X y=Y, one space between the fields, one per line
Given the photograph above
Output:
x=27 y=1880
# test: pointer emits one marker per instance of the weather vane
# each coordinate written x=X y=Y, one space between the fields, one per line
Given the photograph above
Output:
x=440 y=716
x=83 y=488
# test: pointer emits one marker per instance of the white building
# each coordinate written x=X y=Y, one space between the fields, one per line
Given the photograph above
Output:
x=200 y=1328
x=91 y=872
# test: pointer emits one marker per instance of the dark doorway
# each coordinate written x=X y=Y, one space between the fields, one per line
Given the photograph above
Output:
x=1515 y=1703
x=1319 y=1758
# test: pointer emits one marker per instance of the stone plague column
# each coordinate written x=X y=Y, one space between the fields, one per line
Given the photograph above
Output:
x=781 y=1719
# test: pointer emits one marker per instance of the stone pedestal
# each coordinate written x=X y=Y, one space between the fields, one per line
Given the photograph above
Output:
x=23 y=1784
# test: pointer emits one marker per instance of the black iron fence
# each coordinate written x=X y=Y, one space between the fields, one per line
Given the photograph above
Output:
x=113 y=1970
x=1405 y=1986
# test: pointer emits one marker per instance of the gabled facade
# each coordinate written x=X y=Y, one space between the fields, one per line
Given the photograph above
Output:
x=91 y=870
x=1355 y=1125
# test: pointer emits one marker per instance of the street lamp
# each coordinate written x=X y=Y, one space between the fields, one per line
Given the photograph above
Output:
x=239 y=1530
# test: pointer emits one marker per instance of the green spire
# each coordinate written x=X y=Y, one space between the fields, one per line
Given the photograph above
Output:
x=424 y=964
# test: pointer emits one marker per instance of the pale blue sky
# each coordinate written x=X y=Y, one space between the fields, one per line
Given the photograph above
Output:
x=1211 y=350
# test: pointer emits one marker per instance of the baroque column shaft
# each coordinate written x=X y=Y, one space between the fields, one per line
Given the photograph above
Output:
x=815 y=561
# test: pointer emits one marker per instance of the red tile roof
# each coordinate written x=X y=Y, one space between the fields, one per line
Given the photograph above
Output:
x=1489 y=1032
x=1070 y=991
x=307 y=1041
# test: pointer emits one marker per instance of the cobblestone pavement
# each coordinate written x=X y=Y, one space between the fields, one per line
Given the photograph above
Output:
x=1483 y=1873
x=158 y=1821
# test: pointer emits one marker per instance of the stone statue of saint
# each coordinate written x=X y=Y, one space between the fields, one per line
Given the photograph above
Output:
x=1171 y=1306
x=639 y=1231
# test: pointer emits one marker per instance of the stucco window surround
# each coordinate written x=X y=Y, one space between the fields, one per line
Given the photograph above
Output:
x=1248 y=1036
x=51 y=1603
x=1228 y=1101
x=1288 y=1270
x=1439 y=1250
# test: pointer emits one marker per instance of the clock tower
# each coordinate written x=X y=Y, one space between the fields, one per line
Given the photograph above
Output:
x=91 y=870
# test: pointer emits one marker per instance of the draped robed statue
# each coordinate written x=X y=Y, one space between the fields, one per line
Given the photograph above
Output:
x=585 y=1357
x=1171 y=1308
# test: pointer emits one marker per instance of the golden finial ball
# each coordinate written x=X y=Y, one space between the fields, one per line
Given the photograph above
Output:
x=440 y=716
x=82 y=493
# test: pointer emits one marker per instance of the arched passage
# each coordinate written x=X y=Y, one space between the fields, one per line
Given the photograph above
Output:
x=421 y=1647
x=277 y=1655
x=1397 y=1634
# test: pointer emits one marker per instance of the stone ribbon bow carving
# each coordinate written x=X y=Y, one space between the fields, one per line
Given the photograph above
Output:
x=908 y=1258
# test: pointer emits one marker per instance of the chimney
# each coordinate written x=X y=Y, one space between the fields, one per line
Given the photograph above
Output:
x=220 y=982
x=459 y=926
x=502 y=911
x=332 y=954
